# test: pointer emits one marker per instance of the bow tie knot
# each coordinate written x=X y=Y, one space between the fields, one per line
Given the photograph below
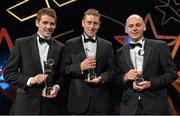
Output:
x=42 y=40
x=133 y=45
x=89 y=40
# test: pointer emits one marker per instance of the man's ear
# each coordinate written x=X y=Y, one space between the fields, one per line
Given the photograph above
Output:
x=144 y=28
x=126 y=30
x=36 y=23
x=82 y=23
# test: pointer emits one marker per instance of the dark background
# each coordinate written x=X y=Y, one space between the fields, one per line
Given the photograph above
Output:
x=162 y=19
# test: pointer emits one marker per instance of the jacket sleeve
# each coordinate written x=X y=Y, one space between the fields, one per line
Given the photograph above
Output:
x=109 y=73
x=69 y=68
x=168 y=69
x=12 y=71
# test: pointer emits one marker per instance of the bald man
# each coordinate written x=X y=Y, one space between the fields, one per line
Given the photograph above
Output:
x=145 y=68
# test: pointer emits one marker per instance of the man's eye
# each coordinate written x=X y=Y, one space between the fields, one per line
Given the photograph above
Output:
x=130 y=26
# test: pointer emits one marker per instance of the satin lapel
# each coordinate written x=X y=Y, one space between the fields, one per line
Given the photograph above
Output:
x=51 y=50
x=80 y=48
x=147 y=49
x=127 y=56
x=35 y=54
x=99 y=47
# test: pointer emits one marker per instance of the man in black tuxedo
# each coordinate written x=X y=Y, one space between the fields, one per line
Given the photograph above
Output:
x=88 y=62
x=25 y=67
x=145 y=68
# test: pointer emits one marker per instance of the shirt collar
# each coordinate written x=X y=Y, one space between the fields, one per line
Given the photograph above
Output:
x=140 y=41
x=84 y=35
x=48 y=38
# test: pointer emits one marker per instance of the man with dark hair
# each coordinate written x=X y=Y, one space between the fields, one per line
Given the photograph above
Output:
x=25 y=68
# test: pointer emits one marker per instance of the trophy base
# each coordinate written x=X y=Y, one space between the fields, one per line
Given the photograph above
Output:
x=91 y=77
x=48 y=90
x=139 y=79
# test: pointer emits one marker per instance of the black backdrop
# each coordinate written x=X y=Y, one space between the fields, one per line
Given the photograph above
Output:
x=163 y=18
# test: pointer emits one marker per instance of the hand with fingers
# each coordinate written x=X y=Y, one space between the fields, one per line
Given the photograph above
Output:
x=96 y=80
x=53 y=92
x=88 y=63
x=141 y=85
x=130 y=75
x=38 y=79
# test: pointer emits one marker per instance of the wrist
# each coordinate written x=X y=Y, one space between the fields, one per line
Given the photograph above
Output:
x=57 y=87
x=33 y=81
x=81 y=68
x=125 y=78
x=101 y=80
x=29 y=83
x=149 y=84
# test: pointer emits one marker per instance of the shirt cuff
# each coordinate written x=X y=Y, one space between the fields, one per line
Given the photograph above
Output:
x=29 y=81
x=58 y=87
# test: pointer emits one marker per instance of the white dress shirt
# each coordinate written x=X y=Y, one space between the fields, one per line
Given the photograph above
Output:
x=89 y=47
x=43 y=52
x=136 y=55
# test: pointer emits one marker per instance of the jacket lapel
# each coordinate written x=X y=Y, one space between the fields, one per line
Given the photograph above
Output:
x=35 y=54
x=127 y=57
x=147 y=49
x=80 y=47
x=99 y=47
x=51 y=50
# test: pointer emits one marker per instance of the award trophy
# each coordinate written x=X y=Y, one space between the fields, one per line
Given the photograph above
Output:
x=91 y=72
x=139 y=78
x=48 y=69
x=139 y=67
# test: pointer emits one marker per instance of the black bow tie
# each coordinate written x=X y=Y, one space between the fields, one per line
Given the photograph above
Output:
x=133 y=45
x=89 y=40
x=42 y=40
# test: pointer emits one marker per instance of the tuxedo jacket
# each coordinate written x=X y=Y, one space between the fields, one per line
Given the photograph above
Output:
x=158 y=68
x=23 y=63
x=81 y=94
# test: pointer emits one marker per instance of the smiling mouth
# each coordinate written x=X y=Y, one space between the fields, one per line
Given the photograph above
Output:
x=47 y=32
x=135 y=33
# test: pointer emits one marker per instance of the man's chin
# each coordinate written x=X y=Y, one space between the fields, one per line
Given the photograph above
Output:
x=135 y=38
x=47 y=35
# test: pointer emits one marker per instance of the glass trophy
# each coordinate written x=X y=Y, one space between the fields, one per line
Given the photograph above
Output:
x=139 y=78
x=91 y=72
x=139 y=67
x=48 y=69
